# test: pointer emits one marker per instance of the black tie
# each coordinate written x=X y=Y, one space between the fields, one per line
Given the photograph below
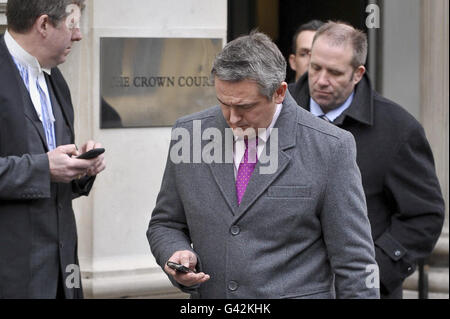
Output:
x=325 y=118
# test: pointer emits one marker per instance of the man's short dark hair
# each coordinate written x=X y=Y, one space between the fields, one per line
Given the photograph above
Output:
x=252 y=57
x=312 y=25
x=22 y=14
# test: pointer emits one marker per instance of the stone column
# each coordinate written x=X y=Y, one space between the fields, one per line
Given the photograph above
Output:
x=114 y=254
x=2 y=15
x=435 y=87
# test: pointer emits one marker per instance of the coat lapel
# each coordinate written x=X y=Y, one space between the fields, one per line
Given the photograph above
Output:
x=66 y=106
x=30 y=113
x=287 y=132
x=223 y=173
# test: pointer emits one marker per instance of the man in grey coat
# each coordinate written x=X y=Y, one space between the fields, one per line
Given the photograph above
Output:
x=259 y=198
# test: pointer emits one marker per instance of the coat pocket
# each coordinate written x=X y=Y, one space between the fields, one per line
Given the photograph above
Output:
x=324 y=293
x=289 y=192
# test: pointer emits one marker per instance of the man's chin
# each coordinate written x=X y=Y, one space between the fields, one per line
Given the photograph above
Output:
x=324 y=103
x=241 y=132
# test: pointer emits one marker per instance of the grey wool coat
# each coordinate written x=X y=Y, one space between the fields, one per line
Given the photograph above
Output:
x=300 y=232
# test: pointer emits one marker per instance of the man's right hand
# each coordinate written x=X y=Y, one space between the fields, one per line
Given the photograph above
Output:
x=63 y=168
x=189 y=260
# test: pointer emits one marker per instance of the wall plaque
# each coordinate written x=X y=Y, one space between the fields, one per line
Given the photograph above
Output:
x=147 y=82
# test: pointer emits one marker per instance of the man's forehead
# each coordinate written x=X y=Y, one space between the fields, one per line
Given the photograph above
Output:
x=240 y=92
x=304 y=38
x=324 y=50
x=325 y=40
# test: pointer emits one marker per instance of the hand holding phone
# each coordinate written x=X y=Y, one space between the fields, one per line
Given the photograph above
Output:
x=92 y=153
x=185 y=275
x=179 y=267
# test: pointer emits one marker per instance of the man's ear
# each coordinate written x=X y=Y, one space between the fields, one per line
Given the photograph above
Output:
x=359 y=72
x=280 y=93
x=292 y=62
x=41 y=24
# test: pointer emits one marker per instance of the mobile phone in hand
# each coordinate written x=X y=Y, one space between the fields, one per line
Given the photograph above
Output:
x=179 y=267
x=92 y=153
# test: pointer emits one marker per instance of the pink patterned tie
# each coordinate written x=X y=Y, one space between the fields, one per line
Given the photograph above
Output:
x=245 y=172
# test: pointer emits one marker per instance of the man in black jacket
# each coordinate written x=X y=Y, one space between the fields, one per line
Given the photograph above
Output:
x=38 y=178
x=404 y=200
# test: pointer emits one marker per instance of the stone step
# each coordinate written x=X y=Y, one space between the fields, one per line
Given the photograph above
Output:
x=438 y=280
x=411 y=294
x=440 y=254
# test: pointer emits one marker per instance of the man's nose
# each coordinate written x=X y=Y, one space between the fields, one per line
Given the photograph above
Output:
x=235 y=117
x=323 y=79
x=77 y=35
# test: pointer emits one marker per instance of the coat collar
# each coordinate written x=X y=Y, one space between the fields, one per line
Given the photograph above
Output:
x=360 y=110
x=22 y=56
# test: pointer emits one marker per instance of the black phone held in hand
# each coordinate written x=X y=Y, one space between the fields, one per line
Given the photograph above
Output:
x=92 y=153
x=179 y=267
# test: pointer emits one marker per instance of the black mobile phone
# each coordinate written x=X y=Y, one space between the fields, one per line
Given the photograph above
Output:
x=92 y=153
x=179 y=267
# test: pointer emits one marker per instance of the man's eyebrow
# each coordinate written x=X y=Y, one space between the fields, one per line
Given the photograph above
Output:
x=334 y=70
x=239 y=105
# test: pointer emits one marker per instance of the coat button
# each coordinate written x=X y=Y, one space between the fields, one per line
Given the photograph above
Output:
x=235 y=230
x=233 y=285
x=397 y=253
x=61 y=245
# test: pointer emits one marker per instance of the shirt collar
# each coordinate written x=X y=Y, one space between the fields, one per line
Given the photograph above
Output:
x=333 y=114
x=265 y=137
x=22 y=56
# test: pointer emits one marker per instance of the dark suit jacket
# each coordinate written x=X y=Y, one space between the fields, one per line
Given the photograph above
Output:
x=38 y=236
x=404 y=200
x=301 y=230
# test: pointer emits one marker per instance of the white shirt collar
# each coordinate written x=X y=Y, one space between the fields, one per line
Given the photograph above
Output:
x=333 y=114
x=22 y=56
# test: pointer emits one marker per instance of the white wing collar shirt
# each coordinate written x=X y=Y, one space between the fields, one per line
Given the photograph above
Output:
x=34 y=79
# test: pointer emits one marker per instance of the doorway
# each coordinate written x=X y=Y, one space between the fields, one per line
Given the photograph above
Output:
x=280 y=18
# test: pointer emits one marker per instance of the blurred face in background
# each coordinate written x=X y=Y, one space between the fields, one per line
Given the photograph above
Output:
x=299 y=61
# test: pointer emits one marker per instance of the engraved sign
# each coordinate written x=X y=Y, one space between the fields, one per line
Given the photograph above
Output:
x=147 y=82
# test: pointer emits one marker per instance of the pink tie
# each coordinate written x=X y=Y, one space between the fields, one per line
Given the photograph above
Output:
x=245 y=172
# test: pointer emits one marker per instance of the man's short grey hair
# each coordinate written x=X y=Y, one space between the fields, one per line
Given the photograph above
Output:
x=21 y=14
x=252 y=57
x=341 y=33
